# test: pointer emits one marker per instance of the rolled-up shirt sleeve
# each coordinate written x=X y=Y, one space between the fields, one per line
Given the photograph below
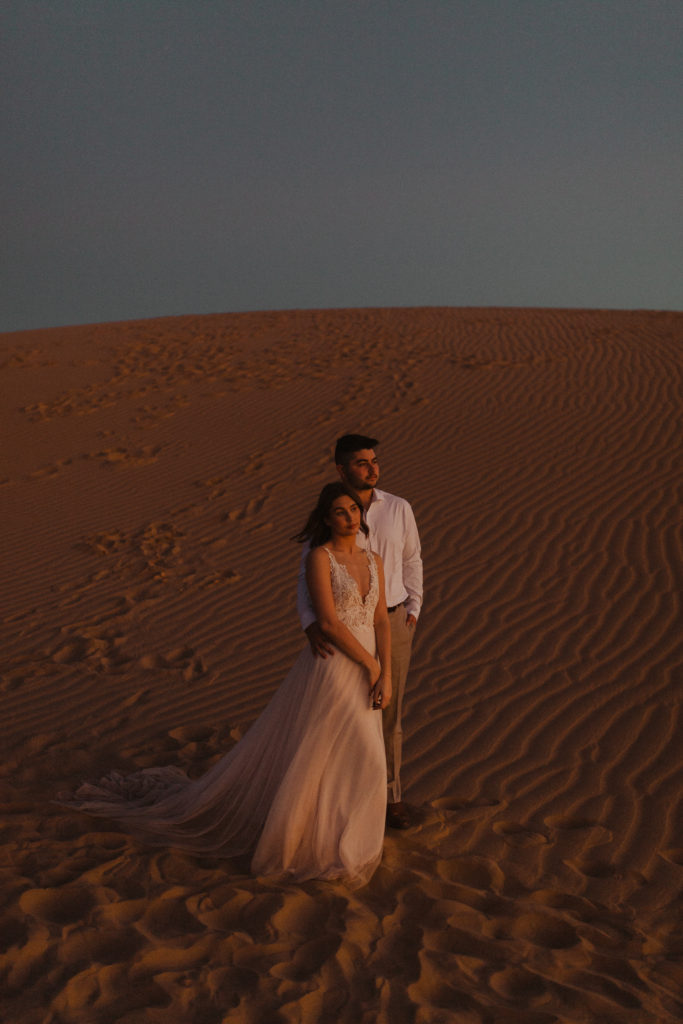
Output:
x=412 y=563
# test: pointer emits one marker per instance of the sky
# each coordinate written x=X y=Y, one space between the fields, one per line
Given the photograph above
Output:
x=213 y=156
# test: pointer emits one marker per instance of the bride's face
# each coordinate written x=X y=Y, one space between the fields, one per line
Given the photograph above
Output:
x=343 y=518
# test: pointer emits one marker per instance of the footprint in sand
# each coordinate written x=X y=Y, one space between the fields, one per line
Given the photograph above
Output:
x=102 y=650
x=63 y=905
x=168 y=918
x=105 y=543
x=455 y=804
x=220 y=910
x=191 y=734
x=123 y=457
x=10 y=683
x=517 y=984
x=49 y=471
x=189 y=661
x=217 y=579
x=102 y=945
x=136 y=699
x=592 y=831
x=477 y=873
x=595 y=867
x=517 y=834
x=544 y=930
x=252 y=508
x=256 y=916
x=301 y=914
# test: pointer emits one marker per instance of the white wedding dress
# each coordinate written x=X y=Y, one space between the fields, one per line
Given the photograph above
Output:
x=303 y=792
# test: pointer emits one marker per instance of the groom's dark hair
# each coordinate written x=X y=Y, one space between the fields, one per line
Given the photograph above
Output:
x=350 y=443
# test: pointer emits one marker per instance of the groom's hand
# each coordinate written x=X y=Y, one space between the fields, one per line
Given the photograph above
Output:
x=320 y=645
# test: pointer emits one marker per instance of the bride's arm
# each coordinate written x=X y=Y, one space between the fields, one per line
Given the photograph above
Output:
x=383 y=638
x=319 y=579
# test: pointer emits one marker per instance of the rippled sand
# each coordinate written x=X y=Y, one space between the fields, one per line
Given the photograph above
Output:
x=151 y=474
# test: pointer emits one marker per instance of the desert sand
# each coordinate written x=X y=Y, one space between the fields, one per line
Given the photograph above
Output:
x=152 y=473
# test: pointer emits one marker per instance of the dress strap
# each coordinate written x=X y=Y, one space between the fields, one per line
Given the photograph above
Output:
x=369 y=554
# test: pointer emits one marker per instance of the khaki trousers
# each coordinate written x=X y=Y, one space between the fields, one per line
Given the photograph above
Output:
x=401 y=644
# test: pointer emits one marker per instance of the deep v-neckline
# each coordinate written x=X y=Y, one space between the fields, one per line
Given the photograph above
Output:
x=353 y=578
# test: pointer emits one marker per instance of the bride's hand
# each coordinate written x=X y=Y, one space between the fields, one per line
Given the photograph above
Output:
x=373 y=670
x=381 y=691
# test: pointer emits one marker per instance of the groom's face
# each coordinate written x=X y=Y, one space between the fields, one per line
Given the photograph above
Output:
x=362 y=470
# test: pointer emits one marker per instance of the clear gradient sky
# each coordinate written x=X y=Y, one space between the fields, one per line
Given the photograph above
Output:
x=164 y=157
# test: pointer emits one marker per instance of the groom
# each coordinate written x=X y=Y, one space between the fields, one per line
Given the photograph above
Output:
x=393 y=535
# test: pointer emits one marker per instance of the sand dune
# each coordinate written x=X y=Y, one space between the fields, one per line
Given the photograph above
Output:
x=151 y=474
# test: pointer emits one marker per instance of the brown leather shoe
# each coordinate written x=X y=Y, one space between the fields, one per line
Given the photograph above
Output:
x=398 y=816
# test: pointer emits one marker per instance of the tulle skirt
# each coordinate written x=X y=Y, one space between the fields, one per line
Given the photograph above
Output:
x=303 y=792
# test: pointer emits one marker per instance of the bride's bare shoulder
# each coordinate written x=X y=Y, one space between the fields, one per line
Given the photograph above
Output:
x=317 y=555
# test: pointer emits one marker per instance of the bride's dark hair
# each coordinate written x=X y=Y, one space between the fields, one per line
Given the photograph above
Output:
x=316 y=529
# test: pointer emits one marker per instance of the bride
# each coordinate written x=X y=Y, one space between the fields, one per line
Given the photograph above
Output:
x=304 y=791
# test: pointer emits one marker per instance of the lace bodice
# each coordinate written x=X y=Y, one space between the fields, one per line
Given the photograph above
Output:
x=353 y=611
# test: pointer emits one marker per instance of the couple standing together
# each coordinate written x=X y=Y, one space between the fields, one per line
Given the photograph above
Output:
x=309 y=789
